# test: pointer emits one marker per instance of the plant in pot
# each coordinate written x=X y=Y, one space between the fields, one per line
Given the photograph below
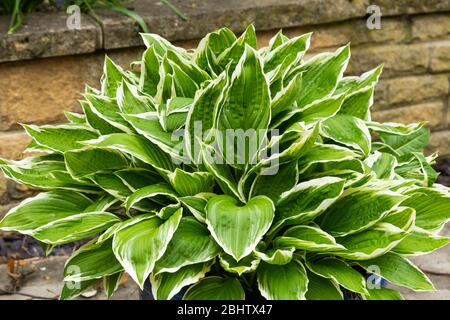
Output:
x=231 y=172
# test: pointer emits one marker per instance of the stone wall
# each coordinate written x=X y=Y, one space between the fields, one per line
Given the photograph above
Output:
x=44 y=67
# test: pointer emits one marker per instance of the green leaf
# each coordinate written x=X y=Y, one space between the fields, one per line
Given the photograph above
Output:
x=95 y=121
x=308 y=238
x=112 y=77
x=166 y=285
x=130 y=101
x=246 y=107
x=135 y=146
x=285 y=98
x=383 y=164
x=282 y=282
x=111 y=283
x=275 y=256
x=398 y=270
x=246 y=265
x=320 y=288
x=352 y=84
x=149 y=78
x=349 y=131
x=153 y=192
x=140 y=245
x=340 y=272
x=394 y=128
x=287 y=52
x=189 y=184
x=74 y=227
x=191 y=243
x=358 y=103
x=215 y=288
x=60 y=138
x=324 y=153
x=236 y=228
x=383 y=294
x=358 y=210
x=42 y=209
x=321 y=75
x=72 y=289
x=45 y=172
x=84 y=162
x=307 y=200
x=431 y=205
x=91 y=261
x=380 y=238
x=232 y=54
x=202 y=116
x=274 y=185
x=407 y=143
x=419 y=242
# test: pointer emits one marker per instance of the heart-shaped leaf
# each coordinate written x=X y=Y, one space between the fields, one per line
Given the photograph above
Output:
x=238 y=228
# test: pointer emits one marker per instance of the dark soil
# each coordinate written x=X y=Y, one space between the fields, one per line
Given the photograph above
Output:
x=443 y=166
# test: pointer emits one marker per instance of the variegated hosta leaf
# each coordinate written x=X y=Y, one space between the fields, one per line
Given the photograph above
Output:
x=349 y=131
x=383 y=294
x=357 y=103
x=42 y=209
x=419 y=241
x=352 y=84
x=340 y=272
x=398 y=270
x=357 y=210
x=383 y=164
x=246 y=108
x=60 y=138
x=149 y=78
x=432 y=207
x=320 y=288
x=282 y=282
x=84 y=162
x=321 y=75
x=308 y=238
x=45 y=172
x=130 y=101
x=74 y=227
x=394 y=128
x=140 y=245
x=166 y=285
x=274 y=185
x=417 y=167
x=275 y=256
x=324 y=153
x=111 y=231
x=191 y=183
x=238 y=228
x=197 y=204
x=111 y=283
x=380 y=238
x=248 y=264
x=191 y=243
x=215 y=288
x=91 y=261
x=160 y=193
x=307 y=200
x=404 y=144
x=135 y=146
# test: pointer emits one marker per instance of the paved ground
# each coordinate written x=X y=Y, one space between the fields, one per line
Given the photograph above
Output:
x=42 y=279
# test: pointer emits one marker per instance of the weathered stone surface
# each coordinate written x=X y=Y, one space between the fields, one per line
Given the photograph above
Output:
x=440 y=56
x=437 y=262
x=38 y=91
x=389 y=7
x=12 y=144
x=205 y=16
x=412 y=89
x=42 y=279
x=440 y=142
x=441 y=283
x=425 y=27
x=432 y=112
x=397 y=59
x=46 y=35
x=3 y=188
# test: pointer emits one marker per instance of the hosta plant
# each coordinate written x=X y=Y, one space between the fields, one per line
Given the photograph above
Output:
x=231 y=172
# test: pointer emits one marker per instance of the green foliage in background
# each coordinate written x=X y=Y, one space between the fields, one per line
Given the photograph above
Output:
x=18 y=8
x=348 y=193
